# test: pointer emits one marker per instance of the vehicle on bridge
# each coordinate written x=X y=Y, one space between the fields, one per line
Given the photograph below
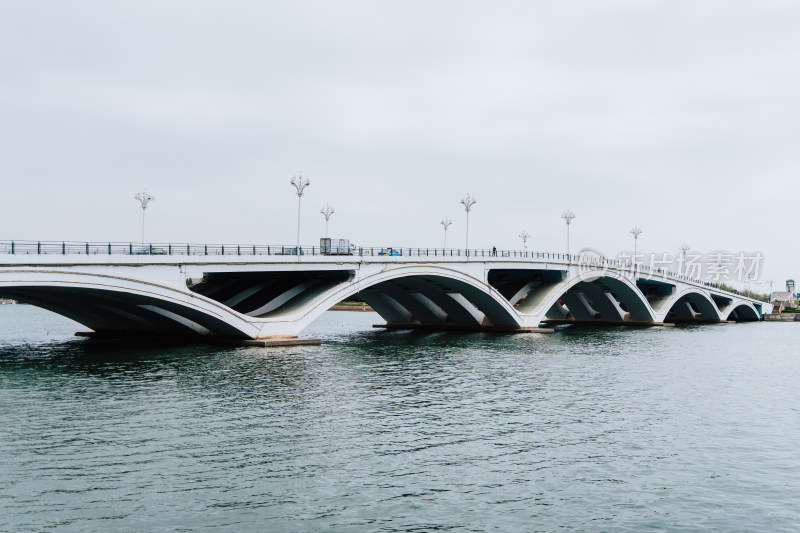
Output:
x=390 y=251
x=335 y=247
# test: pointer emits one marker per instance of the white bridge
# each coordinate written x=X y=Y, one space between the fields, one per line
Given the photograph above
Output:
x=264 y=292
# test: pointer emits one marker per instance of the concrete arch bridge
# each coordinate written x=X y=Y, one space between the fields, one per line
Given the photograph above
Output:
x=264 y=292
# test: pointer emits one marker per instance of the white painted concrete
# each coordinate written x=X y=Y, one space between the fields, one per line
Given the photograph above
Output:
x=278 y=296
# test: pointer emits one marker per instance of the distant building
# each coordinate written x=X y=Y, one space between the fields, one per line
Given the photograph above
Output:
x=781 y=300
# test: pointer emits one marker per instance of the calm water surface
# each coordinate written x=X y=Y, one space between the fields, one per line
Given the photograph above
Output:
x=679 y=429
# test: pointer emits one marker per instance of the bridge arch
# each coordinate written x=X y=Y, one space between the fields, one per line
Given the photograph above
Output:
x=691 y=305
x=605 y=295
x=124 y=306
x=744 y=312
x=420 y=295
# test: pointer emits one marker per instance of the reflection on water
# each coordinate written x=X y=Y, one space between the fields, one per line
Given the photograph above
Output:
x=598 y=429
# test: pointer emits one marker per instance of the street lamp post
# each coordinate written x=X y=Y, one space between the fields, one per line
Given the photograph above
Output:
x=682 y=259
x=445 y=224
x=468 y=201
x=568 y=216
x=299 y=183
x=144 y=198
x=524 y=236
x=327 y=211
x=635 y=232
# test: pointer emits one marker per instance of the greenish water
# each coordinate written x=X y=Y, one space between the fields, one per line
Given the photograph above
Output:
x=679 y=429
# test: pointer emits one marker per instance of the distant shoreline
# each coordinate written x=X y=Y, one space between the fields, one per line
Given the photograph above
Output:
x=782 y=317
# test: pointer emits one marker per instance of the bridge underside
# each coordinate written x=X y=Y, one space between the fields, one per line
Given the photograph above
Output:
x=600 y=300
x=437 y=302
x=744 y=313
x=268 y=294
x=126 y=314
x=693 y=308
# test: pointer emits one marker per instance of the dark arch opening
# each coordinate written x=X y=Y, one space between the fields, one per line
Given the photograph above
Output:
x=267 y=294
x=435 y=301
x=603 y=299
x=116 y=313
x=743 y=313
x=692 y=307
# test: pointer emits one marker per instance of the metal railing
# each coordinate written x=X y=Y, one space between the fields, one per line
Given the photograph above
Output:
x=189 y=249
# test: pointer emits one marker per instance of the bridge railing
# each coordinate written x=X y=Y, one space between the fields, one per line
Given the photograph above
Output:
x=189 y=249
x=186 y=249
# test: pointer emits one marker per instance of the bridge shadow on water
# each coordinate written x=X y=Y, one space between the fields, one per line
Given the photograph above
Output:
x=82 y=353
x=348 y=341
x=601 y=341
x=90 y=368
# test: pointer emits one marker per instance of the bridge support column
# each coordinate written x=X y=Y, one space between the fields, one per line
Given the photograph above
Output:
x=603 y=302
x=578 y=306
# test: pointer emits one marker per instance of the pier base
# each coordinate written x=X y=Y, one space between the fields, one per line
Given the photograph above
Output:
x=626 y=323
x=274 y=342
x=278 y=342
x=457 y=327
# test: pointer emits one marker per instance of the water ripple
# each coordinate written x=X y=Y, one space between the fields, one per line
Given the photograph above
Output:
x=610 y=429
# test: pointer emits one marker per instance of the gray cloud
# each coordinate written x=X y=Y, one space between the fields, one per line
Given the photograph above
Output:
x=679 y=117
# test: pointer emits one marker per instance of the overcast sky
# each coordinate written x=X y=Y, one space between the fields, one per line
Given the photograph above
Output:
x=680 y=117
